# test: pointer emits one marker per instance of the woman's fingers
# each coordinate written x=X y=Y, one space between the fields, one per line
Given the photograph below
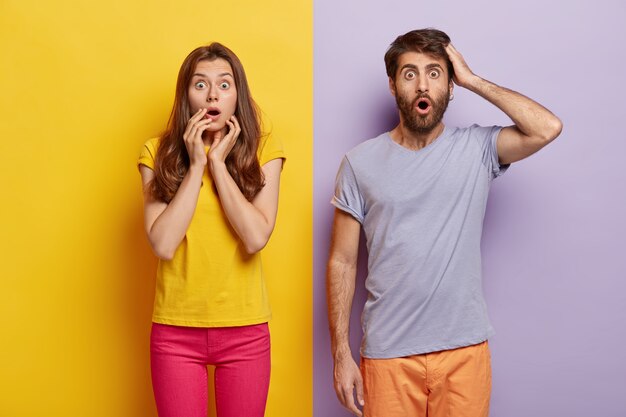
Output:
x=233 y=129
x=199 y=127
x=237 y=127
x=233 y=133
x=197 y=116
x=195 y=133
x=193 y=136
x=222 y=145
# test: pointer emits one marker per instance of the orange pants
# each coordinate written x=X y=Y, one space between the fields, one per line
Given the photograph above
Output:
x=449 y=383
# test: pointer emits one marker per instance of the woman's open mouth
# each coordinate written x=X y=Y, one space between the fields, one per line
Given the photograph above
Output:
x=213 y=113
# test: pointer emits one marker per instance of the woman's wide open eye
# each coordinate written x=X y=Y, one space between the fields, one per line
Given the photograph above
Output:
x=200 y=85
x=224 y=85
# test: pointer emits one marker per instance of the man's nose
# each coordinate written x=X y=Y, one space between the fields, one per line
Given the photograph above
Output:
x=422 y=84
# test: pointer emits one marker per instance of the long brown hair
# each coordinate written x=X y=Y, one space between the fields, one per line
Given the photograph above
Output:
x=172 y=160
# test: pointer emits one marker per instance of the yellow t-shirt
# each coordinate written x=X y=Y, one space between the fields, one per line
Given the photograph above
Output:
x=211 y=281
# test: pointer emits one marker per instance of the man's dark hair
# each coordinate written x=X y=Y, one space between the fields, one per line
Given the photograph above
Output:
x=425 y=41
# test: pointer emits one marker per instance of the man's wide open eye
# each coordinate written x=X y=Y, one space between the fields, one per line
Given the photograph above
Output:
x=409 y=75
x=434 y=73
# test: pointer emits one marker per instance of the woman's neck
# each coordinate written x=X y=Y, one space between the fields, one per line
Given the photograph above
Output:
x=209 y=137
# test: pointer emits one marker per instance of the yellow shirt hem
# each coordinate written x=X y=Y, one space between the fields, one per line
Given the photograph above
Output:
x=223 y=323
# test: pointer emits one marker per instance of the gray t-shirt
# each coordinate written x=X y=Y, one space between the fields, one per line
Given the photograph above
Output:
x=422 y=213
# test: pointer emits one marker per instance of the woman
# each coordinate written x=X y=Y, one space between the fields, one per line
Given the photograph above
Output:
x=210 y=201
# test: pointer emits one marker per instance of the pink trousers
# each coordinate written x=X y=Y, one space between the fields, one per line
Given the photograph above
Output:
x=179 y=357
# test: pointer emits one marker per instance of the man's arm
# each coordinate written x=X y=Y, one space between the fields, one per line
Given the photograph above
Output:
x=535 y=126
x=340 y=283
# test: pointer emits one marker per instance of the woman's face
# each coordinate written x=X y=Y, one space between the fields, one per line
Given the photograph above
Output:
x=212 y=87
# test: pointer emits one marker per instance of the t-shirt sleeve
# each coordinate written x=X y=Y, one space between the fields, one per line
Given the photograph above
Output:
x=487 y=138
x=148 y=153
x=271 y=148
x=347 y=196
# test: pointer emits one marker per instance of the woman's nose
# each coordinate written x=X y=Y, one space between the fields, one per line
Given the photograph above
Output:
x=212 y=94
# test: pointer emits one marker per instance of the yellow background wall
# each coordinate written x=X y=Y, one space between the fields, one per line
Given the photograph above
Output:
x=83 y=84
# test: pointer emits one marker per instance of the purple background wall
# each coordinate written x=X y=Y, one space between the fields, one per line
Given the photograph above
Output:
x=554 y=241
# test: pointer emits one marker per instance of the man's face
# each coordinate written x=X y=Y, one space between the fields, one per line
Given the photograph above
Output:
x=422 y=90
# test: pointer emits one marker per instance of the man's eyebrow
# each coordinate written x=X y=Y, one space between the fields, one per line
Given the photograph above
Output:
x=429 y=66
x=411 y=66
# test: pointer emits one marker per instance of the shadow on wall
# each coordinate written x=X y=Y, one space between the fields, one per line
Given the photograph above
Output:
x=382 y=117
x=137 y=300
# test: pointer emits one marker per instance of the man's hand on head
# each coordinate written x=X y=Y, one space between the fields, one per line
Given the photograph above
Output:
x=463 y=75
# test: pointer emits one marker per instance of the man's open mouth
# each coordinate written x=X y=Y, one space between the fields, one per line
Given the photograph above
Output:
x=423 y=104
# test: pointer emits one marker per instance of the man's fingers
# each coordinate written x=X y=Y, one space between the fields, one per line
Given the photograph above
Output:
x=453 y=54
x=348 y=382
x=348 y=400
x=359 y=390
x=340 y=395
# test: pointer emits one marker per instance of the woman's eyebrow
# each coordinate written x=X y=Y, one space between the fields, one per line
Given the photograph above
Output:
x=223 y=74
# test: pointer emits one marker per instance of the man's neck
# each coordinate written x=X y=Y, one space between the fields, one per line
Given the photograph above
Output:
x=412 y=140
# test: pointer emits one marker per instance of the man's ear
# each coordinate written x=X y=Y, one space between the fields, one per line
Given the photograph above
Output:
x=392 y=86
x=450 y=88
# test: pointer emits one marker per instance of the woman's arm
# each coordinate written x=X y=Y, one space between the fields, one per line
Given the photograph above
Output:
x=252 y=221
x=167 y=223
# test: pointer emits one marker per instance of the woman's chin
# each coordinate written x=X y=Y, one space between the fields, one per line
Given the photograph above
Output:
x=215 y=127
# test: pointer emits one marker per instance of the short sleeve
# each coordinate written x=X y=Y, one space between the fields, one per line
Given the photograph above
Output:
x=270 y=148
x=148 y=153
x=487 y=138
x=347 y=196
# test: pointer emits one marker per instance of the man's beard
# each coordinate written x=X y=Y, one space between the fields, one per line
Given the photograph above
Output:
x=415 y=122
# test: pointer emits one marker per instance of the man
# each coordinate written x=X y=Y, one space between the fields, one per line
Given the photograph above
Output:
x=419 y=192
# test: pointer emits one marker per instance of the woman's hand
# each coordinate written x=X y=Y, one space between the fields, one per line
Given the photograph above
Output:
x=193 y=138
x=221 y=146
